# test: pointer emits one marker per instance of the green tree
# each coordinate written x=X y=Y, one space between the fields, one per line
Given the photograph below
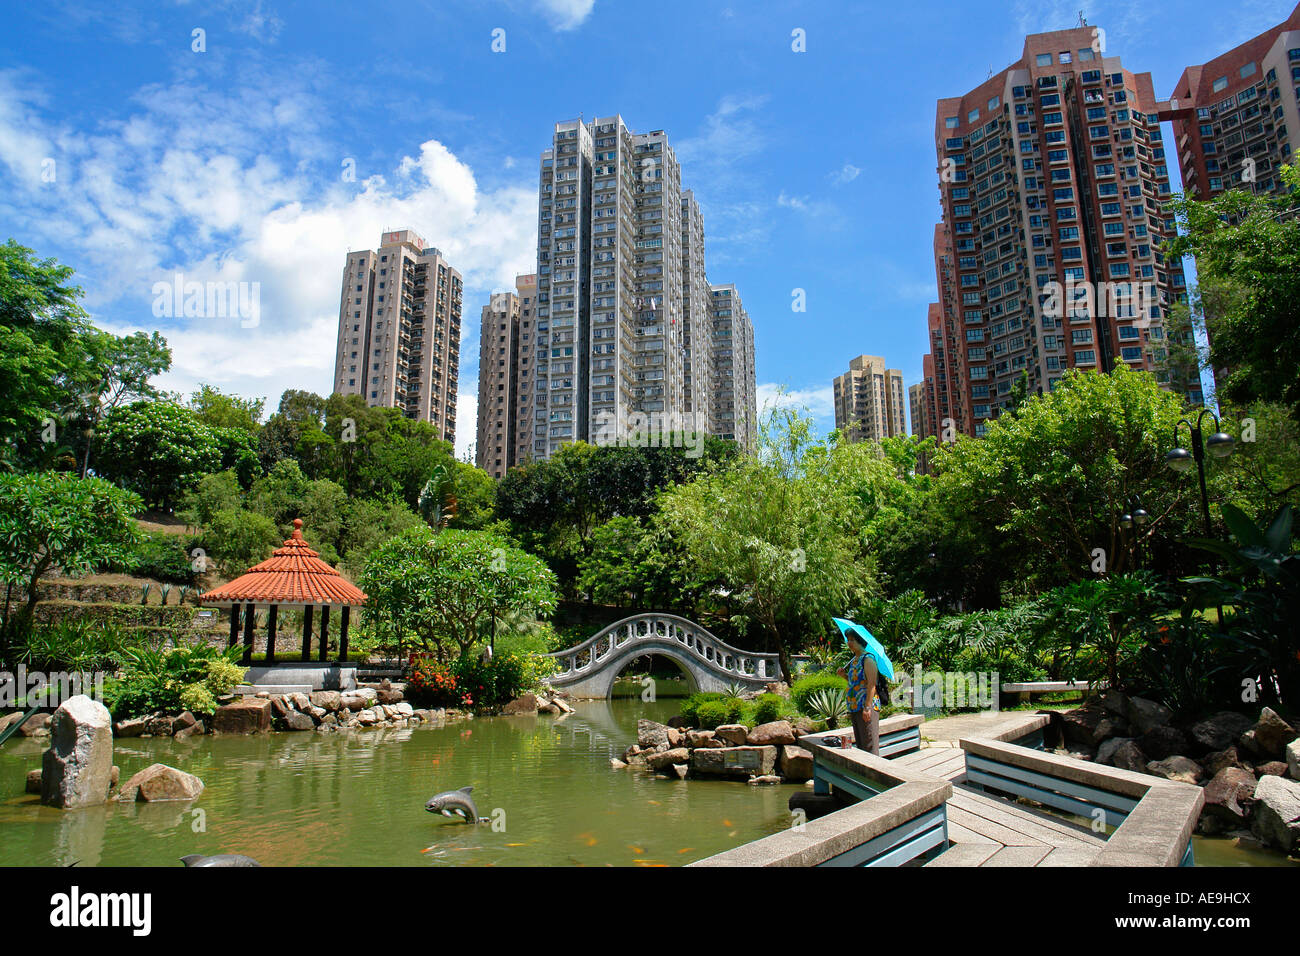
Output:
x=220 y=410
x=157 y=449
x=780 y=531
x=41 y=328
x=1247 y=250
x=476 y=493
x=1054 y=479
x=53 y=520
x=115 y=371
x=438 y=588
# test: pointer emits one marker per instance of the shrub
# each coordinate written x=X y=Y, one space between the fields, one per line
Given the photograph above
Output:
x=76 y=645
x=769 y=707
x=223 y=676
x=690 y=709
x=806 y=686
x=197 y=699
x=162 y=556
x=431 y=684
x=713 y=714
x=153 y=680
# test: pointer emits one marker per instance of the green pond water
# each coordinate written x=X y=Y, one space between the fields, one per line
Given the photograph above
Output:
x=310 y=799
x=306 y=799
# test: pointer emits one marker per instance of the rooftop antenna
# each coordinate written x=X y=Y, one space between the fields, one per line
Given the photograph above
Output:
x=1082 y=21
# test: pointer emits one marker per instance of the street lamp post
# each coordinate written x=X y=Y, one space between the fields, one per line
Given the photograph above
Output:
x=1132 y=520
x=1219 y=445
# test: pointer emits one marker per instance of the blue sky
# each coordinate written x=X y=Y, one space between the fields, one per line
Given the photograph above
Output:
x=815 y=169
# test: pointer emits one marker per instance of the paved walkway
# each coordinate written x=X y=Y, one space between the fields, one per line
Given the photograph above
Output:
x=946 y=731
x=991 y=831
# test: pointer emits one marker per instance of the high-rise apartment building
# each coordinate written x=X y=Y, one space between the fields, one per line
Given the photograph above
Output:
x=1052 y=180
x=697 y=318
x=1236 y=119
x=869 y=400
x=627 y=332
x=399 y=330
x=734 y=394
x=506 y=328
x=916 y=407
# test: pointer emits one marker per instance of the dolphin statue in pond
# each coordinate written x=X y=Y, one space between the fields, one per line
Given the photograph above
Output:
x=220 y=859
x=451 y=803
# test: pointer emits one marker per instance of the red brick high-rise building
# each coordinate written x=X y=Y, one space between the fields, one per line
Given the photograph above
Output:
x=1052 y=178
x=1236 y=119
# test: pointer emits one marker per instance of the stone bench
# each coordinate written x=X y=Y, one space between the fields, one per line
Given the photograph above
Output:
x=1025 y=690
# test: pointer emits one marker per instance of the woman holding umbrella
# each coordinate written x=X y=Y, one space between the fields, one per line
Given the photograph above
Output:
x=864 y=702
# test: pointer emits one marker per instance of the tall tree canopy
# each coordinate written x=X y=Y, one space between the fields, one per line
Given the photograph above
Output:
x=1247 y=250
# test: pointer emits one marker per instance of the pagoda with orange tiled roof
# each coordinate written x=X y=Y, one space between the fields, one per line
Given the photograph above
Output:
x=294 y=576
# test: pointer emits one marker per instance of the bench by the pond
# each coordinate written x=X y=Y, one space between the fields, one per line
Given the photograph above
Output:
x=1024 y=690
x=1153 y=818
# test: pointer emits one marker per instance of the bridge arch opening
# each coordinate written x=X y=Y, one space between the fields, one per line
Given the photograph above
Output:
x=662 y=673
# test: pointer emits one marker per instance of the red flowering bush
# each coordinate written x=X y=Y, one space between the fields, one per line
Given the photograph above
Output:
x=432 y=684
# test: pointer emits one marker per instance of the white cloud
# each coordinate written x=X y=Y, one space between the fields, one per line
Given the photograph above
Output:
x=816 y=401
x=845 y=174
x=792 y=202
x=243 y=186
x=566 y=14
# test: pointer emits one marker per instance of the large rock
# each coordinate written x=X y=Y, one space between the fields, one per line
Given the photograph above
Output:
x=651 y=735
x=1220 y=731
x=733 y=761
x=296 y=720
x=1276 y=815
x=77 y=770
x=524 y=704
x=1293 y=759
x=1106 y=752
x=37 y=725
x=1176 y=768
x=1162 y=742
x=1080 y=725
x=8 y=720
x=1221 y=760
x=1274 y=768
x=665 y=758
x=776 y=733
x=1228 y=798
x=796 y=763
x=330 y=700
x=1145 y=715
x=391 y=695
x=733 y=734
x=1129 y=756
x=1272 y=734
x=1115 y=702
x=160 y=725
x=159 y=782
x=131 y=727
x=699 y=738
x=1111 y=726
x=251 y=715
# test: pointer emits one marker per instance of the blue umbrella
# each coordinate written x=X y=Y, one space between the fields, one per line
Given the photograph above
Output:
x=874 y=647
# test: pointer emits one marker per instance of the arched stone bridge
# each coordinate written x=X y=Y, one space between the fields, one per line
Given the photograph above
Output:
x=590 y=668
